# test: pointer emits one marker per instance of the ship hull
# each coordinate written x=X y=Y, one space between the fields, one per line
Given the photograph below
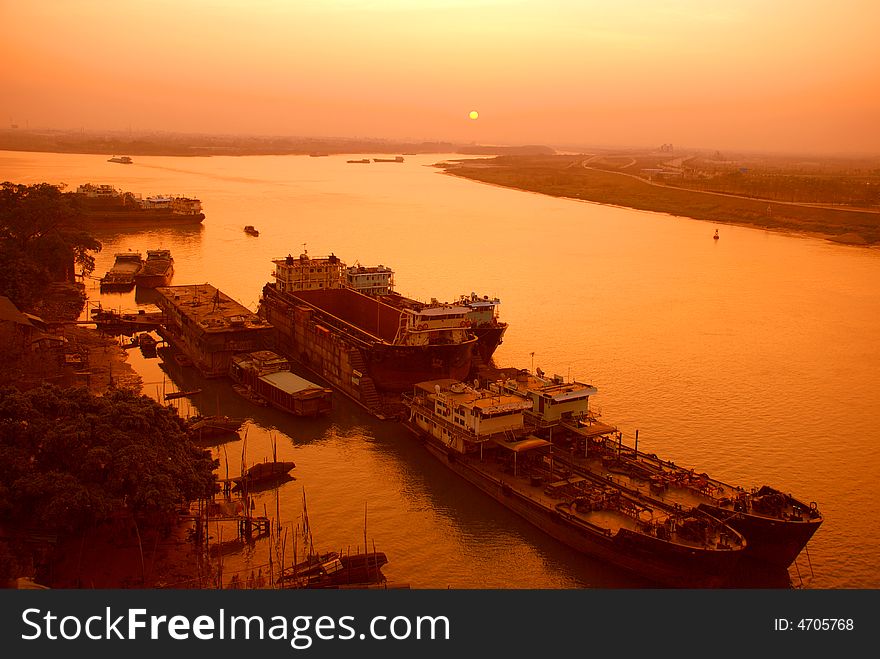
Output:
x=154 y=279
x=115 y=211
x=661 y=562
x=488 y=340
x=347 y=354
x=774 y=542
x=139 y=217
x=398 y=368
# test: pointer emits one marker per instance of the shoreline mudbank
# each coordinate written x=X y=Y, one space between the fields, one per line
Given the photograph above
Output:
x=853 y=227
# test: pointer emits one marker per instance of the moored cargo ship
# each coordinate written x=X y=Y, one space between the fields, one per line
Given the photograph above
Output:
x=482 y=312
x=210 y=327
x=104 y=204
x=121 y=276
x=482 y=315
x=367 y=349
x=480 y=435
x=776 y=526
x=157 y=270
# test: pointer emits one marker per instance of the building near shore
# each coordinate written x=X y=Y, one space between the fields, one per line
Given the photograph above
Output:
x=16 y=329
x=210 y=327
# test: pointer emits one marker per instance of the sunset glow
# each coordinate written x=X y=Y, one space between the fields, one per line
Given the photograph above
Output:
x=785 y=75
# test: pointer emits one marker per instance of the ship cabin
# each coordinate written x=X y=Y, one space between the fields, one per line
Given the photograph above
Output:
x=553 y=399
x=268 y=375
x=308 y=274
x=210 y=327
x=159 y=255
x=464 y=418
x=157 y=203
x=483 y=310
x=186 y=206
x=370 y=280
x=102 y=191
x=431 y=325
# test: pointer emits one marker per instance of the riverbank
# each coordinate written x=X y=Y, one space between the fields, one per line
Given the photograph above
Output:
x=567 y=176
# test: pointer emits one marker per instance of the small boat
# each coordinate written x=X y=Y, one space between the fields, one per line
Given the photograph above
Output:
x=251 y=231
x=147 y=343
x=336 y=570
x=245 y=391
x=262 y=472
x=157 y=270
x=182 y=394
x=715 y=237
x=214 y=426
x=333 y=569
x=122 y=160
x=120 y=277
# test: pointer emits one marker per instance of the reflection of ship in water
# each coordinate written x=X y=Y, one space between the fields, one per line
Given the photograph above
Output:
x=363 y=346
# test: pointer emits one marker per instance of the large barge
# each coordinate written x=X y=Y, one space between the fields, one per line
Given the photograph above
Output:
x=105 y=205
x=121 y=277
x=209 y=327
x=776 y=525
x=368 y=350
x=480 y=435
x=157 y=270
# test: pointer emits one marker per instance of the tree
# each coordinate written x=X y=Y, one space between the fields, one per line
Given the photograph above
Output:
x=72 y=459
x=40 y=241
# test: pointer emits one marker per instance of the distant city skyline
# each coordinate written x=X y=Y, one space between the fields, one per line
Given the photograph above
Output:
x=784 y=76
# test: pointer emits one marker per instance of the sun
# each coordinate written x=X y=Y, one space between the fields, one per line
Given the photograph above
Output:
x=473 y=114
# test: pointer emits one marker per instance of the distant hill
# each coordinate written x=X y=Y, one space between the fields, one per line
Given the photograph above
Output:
x=181 y=144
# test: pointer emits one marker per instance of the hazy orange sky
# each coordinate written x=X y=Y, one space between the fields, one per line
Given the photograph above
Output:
x=791 y=75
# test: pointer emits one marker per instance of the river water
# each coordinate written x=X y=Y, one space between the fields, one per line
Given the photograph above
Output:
x=754 y=358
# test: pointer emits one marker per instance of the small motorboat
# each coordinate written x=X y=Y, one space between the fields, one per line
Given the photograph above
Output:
x=182 y=394
x=262 y=473
x=251 y=231
x=715 y=237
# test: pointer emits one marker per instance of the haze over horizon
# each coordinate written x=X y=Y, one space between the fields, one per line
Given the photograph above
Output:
x=781 y=76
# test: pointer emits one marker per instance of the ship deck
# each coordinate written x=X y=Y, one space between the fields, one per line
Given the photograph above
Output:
x=558 y=493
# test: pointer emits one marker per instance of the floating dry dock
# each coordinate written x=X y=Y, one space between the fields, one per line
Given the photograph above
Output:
x=210 y=327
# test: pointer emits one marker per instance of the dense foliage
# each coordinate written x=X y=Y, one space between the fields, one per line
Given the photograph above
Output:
x=41 y=241
x=71 y=459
